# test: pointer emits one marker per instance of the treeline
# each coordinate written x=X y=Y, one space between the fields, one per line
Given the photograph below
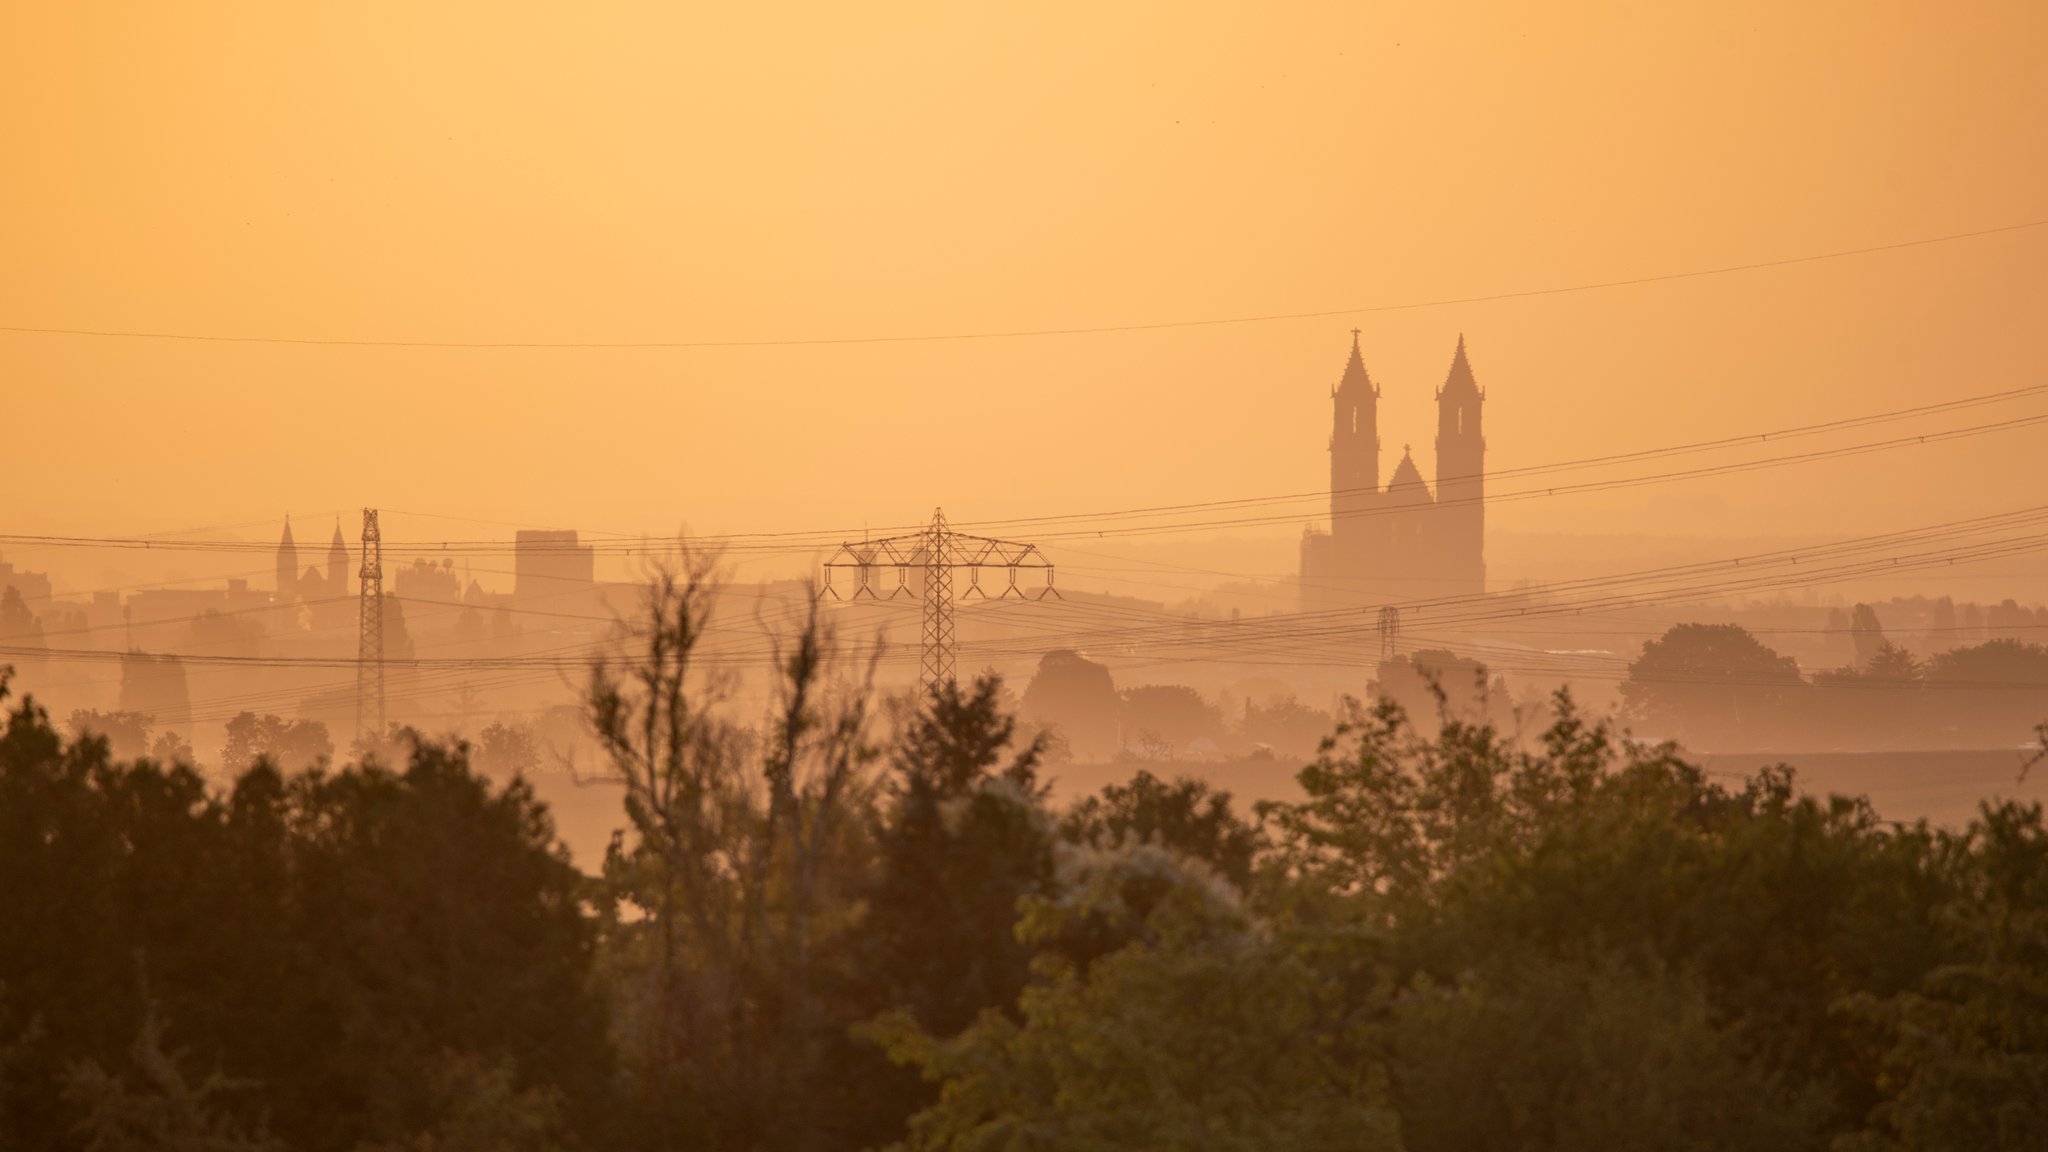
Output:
x=1076 y=703
x=1718 y=687
x=849 y=925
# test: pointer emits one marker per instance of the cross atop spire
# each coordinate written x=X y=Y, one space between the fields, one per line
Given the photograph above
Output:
x=1355 y=375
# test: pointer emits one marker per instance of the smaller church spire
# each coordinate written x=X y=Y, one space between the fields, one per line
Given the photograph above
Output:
x=1407 y=478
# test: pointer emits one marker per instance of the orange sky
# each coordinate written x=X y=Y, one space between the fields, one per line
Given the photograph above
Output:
x=742 y=172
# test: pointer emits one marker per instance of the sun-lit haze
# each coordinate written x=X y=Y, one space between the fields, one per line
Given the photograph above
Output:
x=782 y=175
x=1339 y=577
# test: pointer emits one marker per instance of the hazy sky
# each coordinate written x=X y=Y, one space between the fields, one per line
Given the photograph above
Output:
x=598 y=172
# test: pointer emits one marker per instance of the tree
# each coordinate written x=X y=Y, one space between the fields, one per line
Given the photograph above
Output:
x=1712 y=685
x=1199 y=1032
x=1739 y=918
x=171 y=748
x=1185 y=816
x=1994 y=663
x=507 y=750
x=1893 y=665
x=1991 y=694
x=1944 y=618
x=126 y=733
x=1285 y=725
x=292 y=745
x=1965 y=1060
x=1972 y=626
x=1544 y=1054
x=1433 y=683
x=166 y=1112
x=326 y=940
x=2007 y=620
x=491 y=959
x=1865 y=633
x=1079 y=697
x=397 y=637
x=1878 y=702
x=963 y=839
x=741 y=857
x=484 y=1109
x=1175 y=711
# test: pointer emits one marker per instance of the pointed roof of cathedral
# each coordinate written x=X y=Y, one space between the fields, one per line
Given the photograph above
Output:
x=1354 y=370
x=1460 y=379
x=1406 y=474
x=337 y=544
x=284 y=543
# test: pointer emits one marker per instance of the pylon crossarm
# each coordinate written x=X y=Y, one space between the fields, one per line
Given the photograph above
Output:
x=937 y=552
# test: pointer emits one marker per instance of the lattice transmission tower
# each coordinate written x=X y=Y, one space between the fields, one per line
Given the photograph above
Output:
x=370 y=639
x=924 y=563
x=1390 y=632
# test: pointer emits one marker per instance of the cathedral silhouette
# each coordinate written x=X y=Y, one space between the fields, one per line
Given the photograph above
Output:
x=1401 y=542
x=313 y=600
x=312 y=585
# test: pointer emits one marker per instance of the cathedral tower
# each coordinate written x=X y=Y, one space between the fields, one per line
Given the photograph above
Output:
x=1354 y=454
x=337 y=564
x=1461 y=479
x=287 y=566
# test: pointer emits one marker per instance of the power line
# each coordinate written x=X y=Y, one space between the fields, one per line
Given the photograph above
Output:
x=1576 y=488
x=1565 y=465
x=1020 y=333
x=815 y=543
x=1667 y=585
x=1705 y=578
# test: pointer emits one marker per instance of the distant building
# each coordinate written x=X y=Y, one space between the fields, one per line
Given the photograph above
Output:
x=155 y=686
x=311 y=599
x=548 y=563
x=33 y=586
x=425 y=580
x=312 y=585
x=1401 y=542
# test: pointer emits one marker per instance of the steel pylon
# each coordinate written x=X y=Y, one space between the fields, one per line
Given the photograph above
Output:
x=924 y=563
x=370 y=639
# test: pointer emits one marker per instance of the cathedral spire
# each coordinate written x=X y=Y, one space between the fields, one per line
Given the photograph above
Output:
x=287 y=563
x=1355 y=375
x=1460 y=379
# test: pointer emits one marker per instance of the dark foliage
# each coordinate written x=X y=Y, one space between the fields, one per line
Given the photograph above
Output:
x=329 y=939
x=807 y=937
x=1186 y=816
